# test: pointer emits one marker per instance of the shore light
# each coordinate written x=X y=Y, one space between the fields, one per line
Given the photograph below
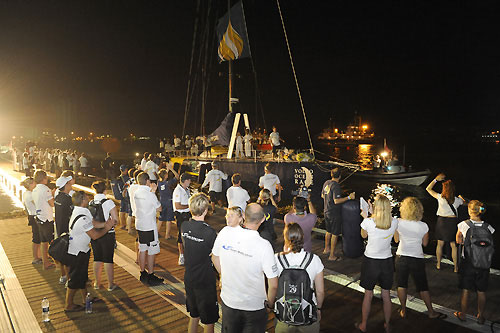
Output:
x=137 y=154
x=383 y=154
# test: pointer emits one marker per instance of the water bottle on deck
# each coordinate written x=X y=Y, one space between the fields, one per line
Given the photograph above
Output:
x=45 y=310
x=88 y=304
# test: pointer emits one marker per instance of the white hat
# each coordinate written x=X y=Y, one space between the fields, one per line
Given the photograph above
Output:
x=62 y=181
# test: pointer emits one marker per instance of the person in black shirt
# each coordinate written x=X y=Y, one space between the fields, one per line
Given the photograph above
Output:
x=63 y=206
x=199 y=278
x=266 y=229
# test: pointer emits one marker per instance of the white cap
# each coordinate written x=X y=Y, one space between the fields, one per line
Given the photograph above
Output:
x=62 y=181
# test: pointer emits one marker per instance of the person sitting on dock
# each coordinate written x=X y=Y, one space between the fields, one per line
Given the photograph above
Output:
x=306 y=220
x=271 y=182
x=237 y=195
x=199 y=277
x=146 y=205
x=332 y=197
x=244 y=260
x=411 y=235
x=471 y=277
x=44 y=203
x=180 y=202
x=81 y=232
x=377 y=264
x=214 y=178
x=446 y=226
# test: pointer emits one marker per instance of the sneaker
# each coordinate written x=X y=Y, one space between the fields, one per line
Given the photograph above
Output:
x=154 y=280
x=63 y=279
x=113 y=287
x=181 y=260
x=96 y=286
x=144 y=277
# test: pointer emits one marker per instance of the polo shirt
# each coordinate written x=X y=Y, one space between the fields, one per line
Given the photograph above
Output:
x=181 y=196
x=245 y=259
x=78 y=238
x=41 y=197
x=269 y=182
x=146 y=204
x=63 y=207
x=131 y=189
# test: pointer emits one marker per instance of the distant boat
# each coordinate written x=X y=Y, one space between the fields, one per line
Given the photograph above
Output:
x=356 y=133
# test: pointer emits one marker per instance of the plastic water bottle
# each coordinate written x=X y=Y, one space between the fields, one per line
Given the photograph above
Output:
x=45 y=310
x=88 y=304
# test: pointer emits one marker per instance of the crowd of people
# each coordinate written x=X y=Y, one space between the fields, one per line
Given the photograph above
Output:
x=253 y=272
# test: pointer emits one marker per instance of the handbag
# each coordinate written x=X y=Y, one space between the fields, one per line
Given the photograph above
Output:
x=58 y=248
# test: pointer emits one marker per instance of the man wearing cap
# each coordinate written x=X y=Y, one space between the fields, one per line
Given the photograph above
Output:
x=244 y=260
x=214 y=177
x=180 y=202
x=63 y=206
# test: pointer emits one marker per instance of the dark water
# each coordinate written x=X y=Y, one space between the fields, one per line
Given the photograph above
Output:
x=472 y=166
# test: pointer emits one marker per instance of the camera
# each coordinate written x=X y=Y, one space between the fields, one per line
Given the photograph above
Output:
x=302 y=192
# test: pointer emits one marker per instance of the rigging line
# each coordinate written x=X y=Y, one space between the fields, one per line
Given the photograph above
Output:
x=295 y=77
x=186 y=108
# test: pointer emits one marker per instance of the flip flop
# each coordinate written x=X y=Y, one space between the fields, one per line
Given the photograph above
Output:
x=75 y=309
x=356 y=325
x=401 y=314
x=458 y=315
x=440 y=316
x=336 y=259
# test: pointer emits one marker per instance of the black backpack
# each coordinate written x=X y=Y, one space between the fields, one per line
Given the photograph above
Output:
x=294 y=299
x=478 y=245
x=96 y=210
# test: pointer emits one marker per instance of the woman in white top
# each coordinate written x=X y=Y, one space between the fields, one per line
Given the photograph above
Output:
x=234 y=217
x=411 y=235
x=29 y=205
x=294 y=253
x=377 y=265
x=446 y=226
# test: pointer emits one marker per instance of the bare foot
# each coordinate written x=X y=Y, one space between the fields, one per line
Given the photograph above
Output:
x=334 y=258
x=359 y=327
x=402 y=313
x=326 y=251
x=387 y=327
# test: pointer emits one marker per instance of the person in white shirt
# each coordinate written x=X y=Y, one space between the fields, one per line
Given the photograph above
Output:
x=151 y=168
x=177 y=144
x=84 y=164
x=29 y=205
x=470 y=277
x=446 y=226
x=104 y=247
x=411 y=235
x=146 y=205
x=44 y=203
x=180 y=201
x=275 y=141
x=271 y=182
x=26 y=165
x=295 y=255
x=214 y=178
x=234 y=217
x=239 y=146
x=244 y=259
x=237 y=195
x=377 y=264
x=81 y=232
x=247 y=139
x=144 y=161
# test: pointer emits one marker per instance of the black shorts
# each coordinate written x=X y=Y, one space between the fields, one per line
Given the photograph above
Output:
x=179 y=218
x=446 y=228
x=79 y=271
x=375 y=271
x=406 y=266
x=124 y=205
x=202 y=303
x=46 y=231
x=104 y=248
x=471 y=278
x=35 y=233
x=276 y=148
x=215 y=196
x=333 y=224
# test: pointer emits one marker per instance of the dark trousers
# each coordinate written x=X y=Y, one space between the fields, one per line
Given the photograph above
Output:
x=236 y=321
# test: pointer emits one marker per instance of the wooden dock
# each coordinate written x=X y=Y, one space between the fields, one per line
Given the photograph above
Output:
x=138 y=308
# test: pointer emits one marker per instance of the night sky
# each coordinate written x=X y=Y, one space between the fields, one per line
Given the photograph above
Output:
x=122 y=67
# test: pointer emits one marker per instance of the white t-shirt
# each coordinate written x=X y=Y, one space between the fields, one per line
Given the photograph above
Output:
x=29 y=203
x=151 y=169
x=143 y=164
x=463 y=227
x=84 y=163
x=107 y=206
x=41 y=195
x=247 y=139
x=444 y=208
x=146 y=204
x=237 y=196
x=177 y=142
x=269 y=181
x=131 y=190
x=214 y=178
x=379 y=240
x=245 y=259
x=26 y=164
x=239 y=141
x=294 y=261
x=275 y=138
x=78 y=238
x=181 y=196
x=410 y=238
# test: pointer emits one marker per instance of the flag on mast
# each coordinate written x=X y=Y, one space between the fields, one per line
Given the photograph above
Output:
x=232 y=33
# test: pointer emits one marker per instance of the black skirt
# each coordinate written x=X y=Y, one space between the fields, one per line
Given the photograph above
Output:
x=446 y=228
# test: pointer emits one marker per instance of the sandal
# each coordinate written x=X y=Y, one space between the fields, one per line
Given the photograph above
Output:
x=460 y=316
x=402 y=313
